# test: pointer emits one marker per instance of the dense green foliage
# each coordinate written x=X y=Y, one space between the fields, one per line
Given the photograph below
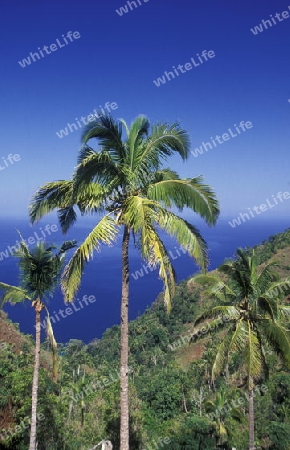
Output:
x=171 y=395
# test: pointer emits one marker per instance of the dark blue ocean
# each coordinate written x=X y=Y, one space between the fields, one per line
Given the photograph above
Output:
x=102 y=277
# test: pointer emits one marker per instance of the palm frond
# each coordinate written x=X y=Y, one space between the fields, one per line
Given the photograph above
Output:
x=229 y=313
x=264 y=307
x=154 y=251
x=186 y=234
x=138 y=129
x=125 y=126
x=67 y=245
x=266 y=277
x=165 y=174
x=206 y=280
x=67 y=217
x=213 y=326
x=277 y=289
x=254 y=359
x=284 y=313
x=164 y=141
x=137 y=210
x=221 y=356
x=104 y=233
x=278 y=338
x=53 y=344
x=108 y=133
x=54 y=195
x=191 y=193
x=97 y=167
x=214 y=287
x=239 y=340
x=13 y=294
x=140 y=217
x=93 y=197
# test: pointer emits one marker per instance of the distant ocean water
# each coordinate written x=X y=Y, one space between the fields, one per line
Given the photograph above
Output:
x=102 y=277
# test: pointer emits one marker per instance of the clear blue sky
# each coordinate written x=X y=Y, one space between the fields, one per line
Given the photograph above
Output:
x=116 y=60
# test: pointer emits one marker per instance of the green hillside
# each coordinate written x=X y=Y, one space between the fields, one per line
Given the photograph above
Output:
x=170 y=384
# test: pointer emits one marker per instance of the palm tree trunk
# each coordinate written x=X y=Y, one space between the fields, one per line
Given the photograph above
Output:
x=124 y=425
x=54 y=365
x=70 y=408
x=34 y=396
x=251 y=420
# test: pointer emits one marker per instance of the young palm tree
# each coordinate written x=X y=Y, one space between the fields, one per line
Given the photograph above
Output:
x=220 y=411
x=254 y=316
x=39 y=273
x=126 y=182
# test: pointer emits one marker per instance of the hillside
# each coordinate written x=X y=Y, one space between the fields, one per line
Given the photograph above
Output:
x=169 y=381
x=10 y=334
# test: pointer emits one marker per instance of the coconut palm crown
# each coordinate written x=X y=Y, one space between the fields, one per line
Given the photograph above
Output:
x=126 y=182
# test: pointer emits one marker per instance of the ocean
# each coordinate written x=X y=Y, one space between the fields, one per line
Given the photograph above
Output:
x=101 y=282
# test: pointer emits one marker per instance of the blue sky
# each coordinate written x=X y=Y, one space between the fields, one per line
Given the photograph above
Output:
x=116 y=60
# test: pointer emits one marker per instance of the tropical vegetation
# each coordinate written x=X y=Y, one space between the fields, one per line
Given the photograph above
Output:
x=171 y=391
x=188 y=379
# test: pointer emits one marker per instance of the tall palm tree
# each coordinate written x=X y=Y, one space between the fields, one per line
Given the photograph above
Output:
x=124 y=179
x=254 y=315
x=39 y=274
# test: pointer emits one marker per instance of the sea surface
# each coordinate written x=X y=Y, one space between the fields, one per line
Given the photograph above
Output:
x=102 y=276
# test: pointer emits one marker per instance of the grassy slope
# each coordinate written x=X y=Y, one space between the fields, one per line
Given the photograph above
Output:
x=10 y=334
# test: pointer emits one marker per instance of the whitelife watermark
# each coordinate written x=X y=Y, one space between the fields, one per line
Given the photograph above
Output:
x=205 y=56
x=48 y=229
x=160 y=443
x=53 y=47
x=144 y=270
x=229 y=405
x=210 y=326
x=263 y=207
x=68 y=311
x=18 y=429
x=280 y=290
x=267 y=23
x=11 y=160
x=202 y=331
x=124 y=9
x=101 y=383
x=71 y=127
x=205 y=146
x=105 y=443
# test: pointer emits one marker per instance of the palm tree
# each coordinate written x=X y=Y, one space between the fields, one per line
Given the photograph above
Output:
x=220 y=411
x=254 y=315
x=39 y=273
x=124 y=179
x=76 y=394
